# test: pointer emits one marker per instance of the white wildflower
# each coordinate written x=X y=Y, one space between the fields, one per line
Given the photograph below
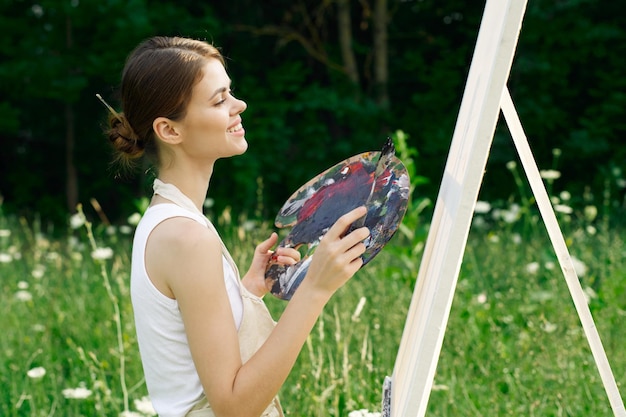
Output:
x=23 y=295
x=53 y=256
x=507 y=319
x=440 y=387
x=79 y=393
x=591 y=212
x=494 y=238
x=5 y=232
x=42 y=241
x=39 y=328
x=579 y=267
x=208 y=203
x=36 y=373
x=590 y=294
x=511 y=165
x=512 y=214
x=482 y=207
x=22 y=285
x=565 y=195
x=38 y=271
x=516 y=238
x=549 y=265
x=562 y=208
x=550 y=174
x=591 y=230
x=479 y=222
x=111 y=230
x=541 y=296
x=144 y=406
x=548 y=327
x=249 y=225
x=102 y=254
x=125 y=229
x=5 y=258
x=133 y=219
x=100 y=385
x=532 y=268
x=481 y=298
x=509 y=216
x=77 y=220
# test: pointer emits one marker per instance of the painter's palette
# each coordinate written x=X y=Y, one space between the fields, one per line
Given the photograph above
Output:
x=377 y=180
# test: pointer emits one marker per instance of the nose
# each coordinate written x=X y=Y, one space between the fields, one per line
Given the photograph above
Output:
x=239 y=106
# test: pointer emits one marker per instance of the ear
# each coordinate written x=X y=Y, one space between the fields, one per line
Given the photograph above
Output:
x=167 y=130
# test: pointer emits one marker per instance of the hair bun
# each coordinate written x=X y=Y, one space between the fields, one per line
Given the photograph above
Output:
x=123 y=138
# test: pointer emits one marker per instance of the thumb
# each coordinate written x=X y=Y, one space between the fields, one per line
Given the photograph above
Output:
x=267 y=244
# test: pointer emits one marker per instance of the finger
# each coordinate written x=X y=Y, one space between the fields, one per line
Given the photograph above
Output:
x=356 y=236
x=342 y=223
x=286 y=260
x=357 y=263
x=356 y=251
x=268 y=243
x=288 y=252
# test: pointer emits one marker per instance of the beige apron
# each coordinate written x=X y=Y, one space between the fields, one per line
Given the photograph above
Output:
x=256 y=323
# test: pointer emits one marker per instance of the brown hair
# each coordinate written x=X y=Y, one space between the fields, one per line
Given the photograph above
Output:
x=157 y=81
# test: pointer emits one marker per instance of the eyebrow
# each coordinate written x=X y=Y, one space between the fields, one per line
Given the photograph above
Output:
x=220 y=90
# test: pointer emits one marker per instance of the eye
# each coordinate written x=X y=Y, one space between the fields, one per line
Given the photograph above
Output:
x=222 y=99
x=225 y=95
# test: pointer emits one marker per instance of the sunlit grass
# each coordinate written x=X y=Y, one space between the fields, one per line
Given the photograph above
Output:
x=514 y=345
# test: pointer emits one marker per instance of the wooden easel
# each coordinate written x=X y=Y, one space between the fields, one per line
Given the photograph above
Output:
x=406 y=393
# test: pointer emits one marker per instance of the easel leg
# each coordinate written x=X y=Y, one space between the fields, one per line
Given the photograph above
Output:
x=428 y=314
x=558 y=242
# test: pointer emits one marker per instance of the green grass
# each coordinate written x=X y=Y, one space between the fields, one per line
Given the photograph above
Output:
x=513 y=346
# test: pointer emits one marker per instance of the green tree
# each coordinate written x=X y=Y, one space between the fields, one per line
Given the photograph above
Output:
x=323 y=80
x=55 y=57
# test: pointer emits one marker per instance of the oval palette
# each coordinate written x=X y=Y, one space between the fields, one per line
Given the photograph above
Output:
x=376 y=179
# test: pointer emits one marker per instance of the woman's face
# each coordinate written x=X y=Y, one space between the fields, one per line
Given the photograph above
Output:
x=212 y=125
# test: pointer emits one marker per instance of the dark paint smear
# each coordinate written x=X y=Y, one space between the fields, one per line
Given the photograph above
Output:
x=317 y=205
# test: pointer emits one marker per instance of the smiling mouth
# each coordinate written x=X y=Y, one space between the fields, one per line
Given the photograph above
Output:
x=235 y=128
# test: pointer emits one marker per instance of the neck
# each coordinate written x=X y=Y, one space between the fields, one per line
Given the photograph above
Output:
x=192 y=182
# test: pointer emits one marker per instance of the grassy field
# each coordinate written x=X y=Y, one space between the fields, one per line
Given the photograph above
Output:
x=514 y=345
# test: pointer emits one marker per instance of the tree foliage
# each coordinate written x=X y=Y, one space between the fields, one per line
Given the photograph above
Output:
x=312 y=101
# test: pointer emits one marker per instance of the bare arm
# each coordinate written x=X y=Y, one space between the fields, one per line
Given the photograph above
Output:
x=196 y=279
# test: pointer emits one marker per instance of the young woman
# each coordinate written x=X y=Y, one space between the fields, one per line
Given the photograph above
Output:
x=208 y=344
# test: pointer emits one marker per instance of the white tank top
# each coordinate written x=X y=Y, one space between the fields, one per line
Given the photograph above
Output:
x=171 y=377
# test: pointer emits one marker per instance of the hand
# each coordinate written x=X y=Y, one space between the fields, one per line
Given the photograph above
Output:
x=254 y=280
x=338 y=256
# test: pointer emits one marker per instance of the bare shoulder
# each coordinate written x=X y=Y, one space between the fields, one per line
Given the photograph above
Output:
x=176 y=249
x=181 y=234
